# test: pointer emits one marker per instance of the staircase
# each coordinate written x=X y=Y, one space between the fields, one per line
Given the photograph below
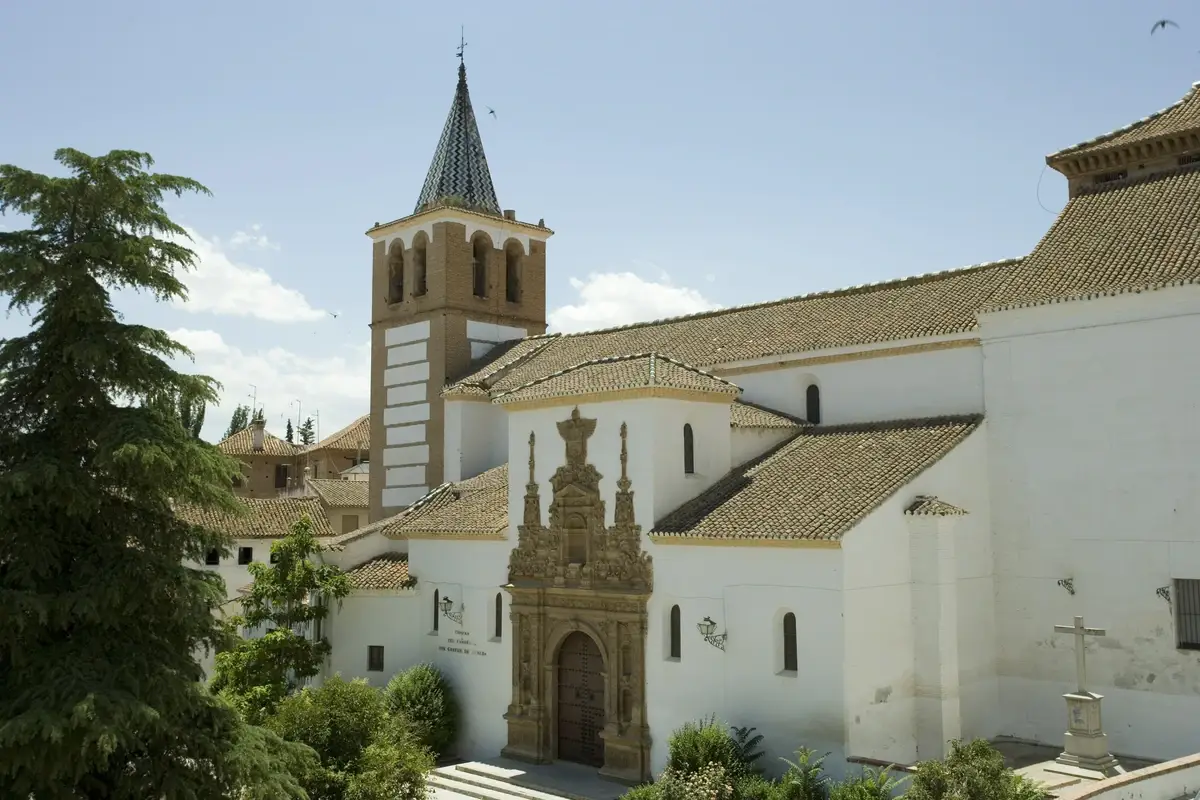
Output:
x=504 y=780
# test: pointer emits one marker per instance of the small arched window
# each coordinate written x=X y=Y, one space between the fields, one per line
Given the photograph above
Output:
x=512 y=274
x=479 y=253
x=676 y=633
x=812 y=404
x=395 y=293
x=689 y=451
x=789 y=643
x=436 y=605
x=420 y=286
x=499 y=615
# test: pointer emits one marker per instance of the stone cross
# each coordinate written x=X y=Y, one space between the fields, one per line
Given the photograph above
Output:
x=1080 y=631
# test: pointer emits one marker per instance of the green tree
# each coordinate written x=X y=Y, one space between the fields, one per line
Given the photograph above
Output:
x=289 y=597
x=239 y=422
x=259 y=415
x=100 y=614
x=189 y=411
x=290 y=435
x=307 y=436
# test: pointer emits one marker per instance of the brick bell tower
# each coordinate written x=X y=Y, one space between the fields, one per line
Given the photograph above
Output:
x=448 y=283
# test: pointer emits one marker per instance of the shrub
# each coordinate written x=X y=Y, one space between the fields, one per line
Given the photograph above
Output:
x=755 y=787
x=696 y=745
x=976 y=771
x=746 y=742
x=710 y=782
x=805 y=778
x=872 y=784
x=422 y=695
x=646 y=791
x=392 y=767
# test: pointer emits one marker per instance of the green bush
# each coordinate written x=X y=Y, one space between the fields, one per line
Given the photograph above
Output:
x=976 y=771
x=422 y=695
x=696 y=745
x=392 y=767
x=710 y=782
x=746 y=742
x=872 y=784
x=805 y=778
x=755 y=787
x=646 y=791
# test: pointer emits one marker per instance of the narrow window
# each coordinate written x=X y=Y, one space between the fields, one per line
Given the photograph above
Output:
x=676 y=637
x=812 y=404
x=245 y=555
x=396 y=273
x=499 y=615
x=349 y=522
x=213 y=557
x=420 y=287
x=789 y=642
x=689 y=451
x=479 y=253
x=375 y=658
x=281 y=476
x=1187 y=613
x=512 y=274
x=436 y=605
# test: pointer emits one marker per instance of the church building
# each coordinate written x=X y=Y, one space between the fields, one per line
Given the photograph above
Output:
x=851 y=519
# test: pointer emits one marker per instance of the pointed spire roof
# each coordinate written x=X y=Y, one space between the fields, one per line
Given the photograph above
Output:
x=459 y=169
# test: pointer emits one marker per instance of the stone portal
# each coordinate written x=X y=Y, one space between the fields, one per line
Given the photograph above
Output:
x=579 y=590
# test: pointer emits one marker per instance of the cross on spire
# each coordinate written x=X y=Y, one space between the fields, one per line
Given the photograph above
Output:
x=462 y=43
x=1077 y=628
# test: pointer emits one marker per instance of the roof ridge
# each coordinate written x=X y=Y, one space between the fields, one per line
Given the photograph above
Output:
x=893 y=424
x=651 y=355
x=1105 y=137
x=770 y=410
x=909 y=280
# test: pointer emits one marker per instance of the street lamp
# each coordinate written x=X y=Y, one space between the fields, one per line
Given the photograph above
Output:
x=708 y=629
x=448 y=610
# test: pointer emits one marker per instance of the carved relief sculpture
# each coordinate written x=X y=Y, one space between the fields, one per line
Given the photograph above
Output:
x=571 y=576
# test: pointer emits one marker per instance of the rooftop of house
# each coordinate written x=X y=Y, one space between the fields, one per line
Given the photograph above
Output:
x=352 y=438
x=1179 y=118
x=242 y=444
x=337 y=493
x=387 y=571
x=270 y=518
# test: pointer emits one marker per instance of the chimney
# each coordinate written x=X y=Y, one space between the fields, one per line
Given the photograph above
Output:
x=257 y=434
x=510 y=214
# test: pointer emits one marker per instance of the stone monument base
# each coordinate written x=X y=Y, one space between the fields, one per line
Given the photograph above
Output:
x=1085 y=754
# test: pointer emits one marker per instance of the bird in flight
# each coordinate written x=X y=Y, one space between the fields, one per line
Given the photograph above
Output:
x=334 y=314
x=1163 y=23
x=492 y=111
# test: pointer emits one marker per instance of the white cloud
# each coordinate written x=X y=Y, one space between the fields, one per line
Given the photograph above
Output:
x=220 y=286
x=337 y=386
x=252 y=238
x=608 y=299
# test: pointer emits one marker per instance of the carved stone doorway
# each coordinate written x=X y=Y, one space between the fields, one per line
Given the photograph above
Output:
x=580 y=701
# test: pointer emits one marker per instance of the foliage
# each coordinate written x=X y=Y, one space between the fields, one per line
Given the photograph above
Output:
x=805 y=778
x=100 y=616
x=290 y=597
x=974 y=771
x=645 y=791
x=365 y=752
x=710 y=782
x=423 y=696
x=756 y=787
x=238 y=422
x=188 y=410
x=259 y=415
x=871 y=784
x=747 y=742
x=305 y=432
x=695 y=745
x=289 y=436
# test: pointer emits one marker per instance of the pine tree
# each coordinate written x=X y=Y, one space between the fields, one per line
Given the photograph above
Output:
x=290 y=435
x=100 y=616
x=259 y=415
x=239 y=422
x=307 y=436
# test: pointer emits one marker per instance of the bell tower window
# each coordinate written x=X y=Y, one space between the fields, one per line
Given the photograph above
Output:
x=512 y=274
x=479 y=252
x=419 y=283
x=396 y=273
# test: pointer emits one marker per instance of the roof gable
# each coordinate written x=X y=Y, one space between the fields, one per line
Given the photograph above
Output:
x=270 y=518
x=1177 y=119
x=242 y=444
x=337 y=493
x=355 y=436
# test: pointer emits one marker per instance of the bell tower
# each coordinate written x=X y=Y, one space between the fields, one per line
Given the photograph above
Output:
x=448 y=282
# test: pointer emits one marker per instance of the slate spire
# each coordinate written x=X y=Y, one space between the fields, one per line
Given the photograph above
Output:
x=459 y=169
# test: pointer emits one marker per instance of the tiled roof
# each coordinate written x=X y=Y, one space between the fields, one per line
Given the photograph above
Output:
x=347 y=438
x=241 y=444
x=1144 y=234
x=928 y=305
x=270 y=518
x=474 y=507
x=749 y=415
x=637 y=371
x=929 y=506
x=1182 y=115
x=339 y=494
x=459 y=168
x=818 y=484
x=483 y=371
x=387 y=571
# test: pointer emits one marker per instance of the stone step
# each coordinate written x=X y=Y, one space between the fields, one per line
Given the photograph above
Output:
x=504 y=780
x=478 y=784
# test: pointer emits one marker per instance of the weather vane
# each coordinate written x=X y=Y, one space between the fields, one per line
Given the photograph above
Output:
x=462 y=43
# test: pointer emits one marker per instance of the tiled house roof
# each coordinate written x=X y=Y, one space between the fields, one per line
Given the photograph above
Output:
x=749 y=415
x=338 y=493
x=1180 y=117
x=818 y=484
x=347 y=438
x=242 y=444
x=929 y=506
x=637 y=371
x=270 y=518
x=387 y=571
x=475 y=507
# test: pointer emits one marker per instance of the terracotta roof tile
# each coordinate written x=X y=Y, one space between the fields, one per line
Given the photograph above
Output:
x=749 y=415
x=636 y=371
x=484 y=370
x=818 y=484
x=390 y=526
x=347 y=438
x=1106 y=241
x=474 y=507
x=241 y=444
x=929 y=506
x=270 y=518
x=387 y=571
x=338 y=493
x=1182 y=115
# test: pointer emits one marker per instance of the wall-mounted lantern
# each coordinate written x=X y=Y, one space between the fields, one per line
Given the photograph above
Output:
x=1165 y=593
x=1068 y=584
x=449 y=613
x=708 y=629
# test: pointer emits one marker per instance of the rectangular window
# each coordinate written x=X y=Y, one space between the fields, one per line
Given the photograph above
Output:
x=212 y=558
x=1187 y=612
x=245 y=555
x=375 y=658
x=281 y=476
x=349 y=522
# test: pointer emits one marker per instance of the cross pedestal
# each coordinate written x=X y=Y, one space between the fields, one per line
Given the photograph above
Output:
x=1085 y=754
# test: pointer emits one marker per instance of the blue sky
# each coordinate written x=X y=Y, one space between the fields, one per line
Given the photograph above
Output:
x=688 y=154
